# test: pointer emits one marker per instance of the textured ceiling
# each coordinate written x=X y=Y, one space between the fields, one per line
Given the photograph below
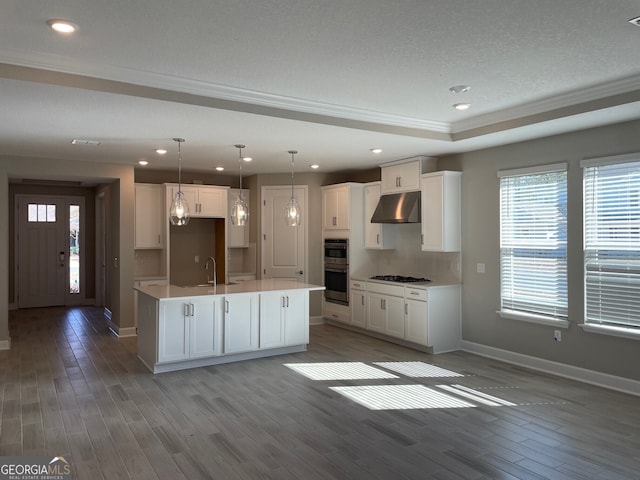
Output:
x=331 y=79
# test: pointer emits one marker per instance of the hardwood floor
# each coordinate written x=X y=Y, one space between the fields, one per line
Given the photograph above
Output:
x=69 y=388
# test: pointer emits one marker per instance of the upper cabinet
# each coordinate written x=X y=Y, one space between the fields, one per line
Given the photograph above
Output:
x=377 y=236
x=440 y=197
x=238 y=236
x=335 y=207
x=206 y=201
x=149 y=216
x=404 y=175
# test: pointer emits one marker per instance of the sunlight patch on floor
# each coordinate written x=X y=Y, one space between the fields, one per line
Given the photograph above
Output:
x=400 y=397
x=339 y=371
x=476 y=396
x=417 y=369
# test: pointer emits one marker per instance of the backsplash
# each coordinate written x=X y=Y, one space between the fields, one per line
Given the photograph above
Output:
x=408 y=259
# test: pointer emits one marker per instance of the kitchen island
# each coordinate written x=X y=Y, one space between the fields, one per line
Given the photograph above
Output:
x=187 y=327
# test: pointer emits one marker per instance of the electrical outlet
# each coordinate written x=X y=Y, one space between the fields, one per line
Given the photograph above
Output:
x=197 y=259
x=557 y=335
x=480 y=267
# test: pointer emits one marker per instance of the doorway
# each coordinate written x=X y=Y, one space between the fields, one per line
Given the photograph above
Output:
x=49 y=250
x=284 y=248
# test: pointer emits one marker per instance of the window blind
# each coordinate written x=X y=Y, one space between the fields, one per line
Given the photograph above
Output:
x=612 y=244
x=533 y=242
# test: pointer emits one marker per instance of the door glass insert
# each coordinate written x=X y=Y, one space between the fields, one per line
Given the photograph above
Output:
x=74 y=249
x=38 y=212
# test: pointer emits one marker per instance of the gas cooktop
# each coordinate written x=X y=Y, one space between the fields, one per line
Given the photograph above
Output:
x=399 y=278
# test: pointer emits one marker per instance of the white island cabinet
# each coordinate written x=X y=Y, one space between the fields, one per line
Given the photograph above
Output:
x=186 y=327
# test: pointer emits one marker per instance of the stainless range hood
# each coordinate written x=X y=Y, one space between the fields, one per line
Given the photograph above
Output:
x=398 y=208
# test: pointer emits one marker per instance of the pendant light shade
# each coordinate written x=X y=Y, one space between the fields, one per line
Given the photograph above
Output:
x=292 y=209
x=179 y=212
x=240 y=209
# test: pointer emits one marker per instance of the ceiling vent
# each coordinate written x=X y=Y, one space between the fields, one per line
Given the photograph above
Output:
x=635 y=21
x=91 y=143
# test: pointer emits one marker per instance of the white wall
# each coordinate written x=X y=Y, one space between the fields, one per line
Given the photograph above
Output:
x=480 y=244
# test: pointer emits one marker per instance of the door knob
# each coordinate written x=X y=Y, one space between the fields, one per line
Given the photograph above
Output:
x=300 y=272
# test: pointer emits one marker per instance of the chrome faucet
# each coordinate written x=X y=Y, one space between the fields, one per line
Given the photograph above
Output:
x=206 y=267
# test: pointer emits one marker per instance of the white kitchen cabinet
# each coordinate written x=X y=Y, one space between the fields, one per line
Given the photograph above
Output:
x=358 y=303
x=416 y=318
x=205 y=201
x=284 y=319
x=186 y=329
x=238 y=235
x=385 y=309
x=404 y=175
x=440 y=207
x=149 y=217
x=335 y=207
x=377 y=236
x=241 y=328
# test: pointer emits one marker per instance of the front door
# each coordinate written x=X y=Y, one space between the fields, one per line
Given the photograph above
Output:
x=283 y=247
x=49 y=253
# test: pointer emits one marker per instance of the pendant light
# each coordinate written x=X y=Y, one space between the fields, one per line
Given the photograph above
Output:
x=292 y=210
x=240 y=209
x=179 y=212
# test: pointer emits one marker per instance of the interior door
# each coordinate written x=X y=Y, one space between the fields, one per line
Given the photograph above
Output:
x=283 y=248
x=42 y=251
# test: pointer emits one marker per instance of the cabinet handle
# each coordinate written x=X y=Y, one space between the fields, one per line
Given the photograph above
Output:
x=185 y=307
x=226 y=306
x=282 y=301
x=378 y=238
x=422 y=238
x=287 y=301
x=362 y=300
x=158 y=239
x=334 y=221
x=406 y=309
x=414 y=293
x=192 y=309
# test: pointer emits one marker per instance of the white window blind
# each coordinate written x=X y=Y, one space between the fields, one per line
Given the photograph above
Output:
x=533 y=242
x=612 y=244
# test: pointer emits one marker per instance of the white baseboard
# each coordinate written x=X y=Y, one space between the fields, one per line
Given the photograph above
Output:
x=319 y=320
x=5 y=344
x=123 y=332
x=592 y=377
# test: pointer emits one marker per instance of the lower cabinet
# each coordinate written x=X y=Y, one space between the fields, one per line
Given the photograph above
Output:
x=187 y=329
x=284 y=319
x=428 y=317
x=240 y=323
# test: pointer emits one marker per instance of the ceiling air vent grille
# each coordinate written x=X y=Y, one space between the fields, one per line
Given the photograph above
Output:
x=635 y=21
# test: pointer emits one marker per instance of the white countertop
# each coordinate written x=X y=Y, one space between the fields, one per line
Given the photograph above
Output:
x=421 y=285
x=164 y=292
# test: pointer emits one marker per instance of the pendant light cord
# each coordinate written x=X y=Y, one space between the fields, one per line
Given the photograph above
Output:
x=292 y=152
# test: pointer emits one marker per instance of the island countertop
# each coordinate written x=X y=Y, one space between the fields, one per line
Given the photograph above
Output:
x=165 y=292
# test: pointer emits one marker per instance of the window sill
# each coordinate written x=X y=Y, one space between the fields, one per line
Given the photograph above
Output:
x=528 y=317
x=624 y=332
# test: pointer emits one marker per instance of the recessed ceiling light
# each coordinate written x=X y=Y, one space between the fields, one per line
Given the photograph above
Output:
x=143 y=162
x=315 y=166
x=376 y=150
x=62 y=26
x=220 y=169
x=461 y=106
x=161 y=151
x=247 y=159
x=460 y=89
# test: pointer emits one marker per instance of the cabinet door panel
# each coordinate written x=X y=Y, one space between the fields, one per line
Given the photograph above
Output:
x=148 y=216
x=202 y=327
x=240 y=323
x=296 y=320
x=173 y=332
x=213 y=202
x=417 y=322
x=395 y=316
x=377 y=313
x=358 y=308
x=271 y=320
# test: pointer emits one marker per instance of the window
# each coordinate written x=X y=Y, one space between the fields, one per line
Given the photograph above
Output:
x=37 y=212
x=533 y=244
x=612 y=242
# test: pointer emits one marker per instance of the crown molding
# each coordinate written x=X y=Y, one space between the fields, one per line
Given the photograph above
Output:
x=550 y=104
x=219 y=91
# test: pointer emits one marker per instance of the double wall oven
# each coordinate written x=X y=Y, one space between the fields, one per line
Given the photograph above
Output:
x=336 y=270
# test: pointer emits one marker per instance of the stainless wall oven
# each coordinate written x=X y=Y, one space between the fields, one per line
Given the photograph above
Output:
x=336 y=271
